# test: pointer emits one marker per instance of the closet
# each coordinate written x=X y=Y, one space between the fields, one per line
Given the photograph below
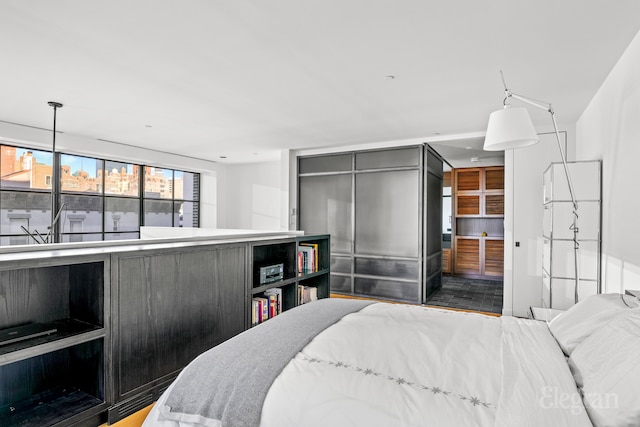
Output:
x=383 y=210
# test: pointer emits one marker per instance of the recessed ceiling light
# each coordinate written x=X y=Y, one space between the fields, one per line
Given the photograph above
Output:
x=468 y=148
x=475 y=160
x=223 y=157
x=390 y=77
x=148 y=126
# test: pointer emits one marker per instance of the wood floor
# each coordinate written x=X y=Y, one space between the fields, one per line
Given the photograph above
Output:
x=134 y=420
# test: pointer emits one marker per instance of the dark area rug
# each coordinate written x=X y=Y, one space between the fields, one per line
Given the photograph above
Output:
x=468 y=294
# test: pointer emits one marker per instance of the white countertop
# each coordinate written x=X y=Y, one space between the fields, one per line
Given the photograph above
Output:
x=178 y=240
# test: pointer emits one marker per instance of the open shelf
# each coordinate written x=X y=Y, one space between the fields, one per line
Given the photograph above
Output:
x=48 y=408
x=265 y=255
x=52 y=363
x=285 y=252
x=280 y=284
x=66 y=330
x=304 y=276
x=52 y=387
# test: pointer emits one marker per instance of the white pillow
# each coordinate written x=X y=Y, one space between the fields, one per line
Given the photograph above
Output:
x=606 y=367
x=581 y=320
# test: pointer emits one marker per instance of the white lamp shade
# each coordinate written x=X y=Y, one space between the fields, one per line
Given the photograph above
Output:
x=509 y=128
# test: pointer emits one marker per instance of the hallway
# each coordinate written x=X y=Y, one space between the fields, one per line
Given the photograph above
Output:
x=468 y=294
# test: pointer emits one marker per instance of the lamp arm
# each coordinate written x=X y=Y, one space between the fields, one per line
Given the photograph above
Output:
x=543 y=106
x=549 y=108
x=574 y=226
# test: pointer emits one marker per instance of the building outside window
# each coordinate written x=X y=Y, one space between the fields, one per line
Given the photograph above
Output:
x=99 y=199
x=171 y=198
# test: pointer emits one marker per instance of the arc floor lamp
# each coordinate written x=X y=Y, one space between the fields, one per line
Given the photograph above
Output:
x=511 y=127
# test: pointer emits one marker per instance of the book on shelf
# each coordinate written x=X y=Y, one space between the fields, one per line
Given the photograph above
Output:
x=276 y=294
x=306 y=259
x=260 y=310
x=256 y=309
x=315 y=254
x=307 y=294
x=266 y=307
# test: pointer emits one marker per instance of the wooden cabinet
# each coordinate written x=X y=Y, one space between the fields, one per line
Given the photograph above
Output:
x=479 y=192
x=493 y=257
x=446 y=260
x=468 y=255
x=479 y=209
x=52 y=340
x=168 y=307
x=479 y=256
x=111 y=327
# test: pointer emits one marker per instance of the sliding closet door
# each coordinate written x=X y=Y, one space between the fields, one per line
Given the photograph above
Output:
x=387 y=213
x=325 y=206
x=387 y=224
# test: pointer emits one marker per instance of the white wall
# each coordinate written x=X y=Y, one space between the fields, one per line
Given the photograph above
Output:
x=523 y=214
x=609 y=129
x=255 y=196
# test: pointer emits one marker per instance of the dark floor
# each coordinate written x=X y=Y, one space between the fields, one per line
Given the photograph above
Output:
x=468 y=294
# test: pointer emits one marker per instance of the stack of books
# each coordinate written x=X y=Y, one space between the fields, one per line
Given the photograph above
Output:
x=307 y=257
x=265 y=307
x=307 y=294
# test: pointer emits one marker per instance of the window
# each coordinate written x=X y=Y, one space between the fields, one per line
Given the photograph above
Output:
x=171 y=198
x=25 y=169
x=99 y=199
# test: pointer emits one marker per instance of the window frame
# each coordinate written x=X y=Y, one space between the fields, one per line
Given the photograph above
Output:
x=100 y=193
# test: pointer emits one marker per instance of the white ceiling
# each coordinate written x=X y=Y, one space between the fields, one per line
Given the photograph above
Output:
x=247 y=78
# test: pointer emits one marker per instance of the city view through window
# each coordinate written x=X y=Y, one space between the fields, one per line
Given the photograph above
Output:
x=98 y=199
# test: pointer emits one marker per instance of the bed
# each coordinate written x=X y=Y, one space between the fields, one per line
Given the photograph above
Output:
x=339 y=362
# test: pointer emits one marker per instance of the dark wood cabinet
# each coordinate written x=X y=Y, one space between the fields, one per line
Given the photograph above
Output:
x=295 y=278
x=52 y=340
x=118 y=323
x=170 y=306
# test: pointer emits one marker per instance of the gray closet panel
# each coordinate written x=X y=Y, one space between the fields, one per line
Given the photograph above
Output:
x=388 y=213
x=326 y=205
x=341 y=284
x=388 y=267
x=407 y=157
x=341 y=264
x=405 y=291
x=320 y=164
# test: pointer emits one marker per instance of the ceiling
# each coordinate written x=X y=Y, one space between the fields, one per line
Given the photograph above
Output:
x=238 y=81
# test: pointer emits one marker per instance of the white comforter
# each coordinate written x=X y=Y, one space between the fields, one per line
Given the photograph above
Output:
x=399 y=365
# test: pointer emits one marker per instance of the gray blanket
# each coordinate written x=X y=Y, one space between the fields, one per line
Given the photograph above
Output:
x=226 y=386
